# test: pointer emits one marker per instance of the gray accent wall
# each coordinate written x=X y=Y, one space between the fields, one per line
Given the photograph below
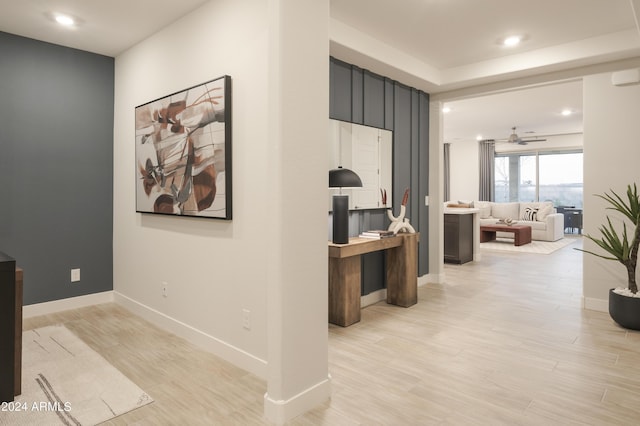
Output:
x=360 y=96
x=56 y=166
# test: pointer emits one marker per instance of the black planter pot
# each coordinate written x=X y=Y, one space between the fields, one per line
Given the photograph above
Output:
x=625 y=310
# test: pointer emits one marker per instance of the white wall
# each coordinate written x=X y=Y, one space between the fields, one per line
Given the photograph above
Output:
x=611 y=161
x=214 y=269
x=464 y=171
x=271 y=259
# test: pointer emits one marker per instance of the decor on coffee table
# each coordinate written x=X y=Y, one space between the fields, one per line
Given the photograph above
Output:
x=624 y=303
x=183 y=152
x=521 y=233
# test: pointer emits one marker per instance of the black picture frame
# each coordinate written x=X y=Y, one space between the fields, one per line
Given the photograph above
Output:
x=183 y=152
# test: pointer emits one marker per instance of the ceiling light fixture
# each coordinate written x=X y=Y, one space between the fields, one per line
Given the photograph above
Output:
x=64 y=20
x=566 y=112
x=479 y=138
x=446 y=109
x=512 y=41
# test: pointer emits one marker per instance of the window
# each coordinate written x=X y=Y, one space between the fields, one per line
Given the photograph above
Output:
x=540 y=176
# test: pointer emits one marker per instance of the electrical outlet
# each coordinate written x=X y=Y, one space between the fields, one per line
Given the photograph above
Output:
x=165 y=289
x=246 y=319
x=75 y=275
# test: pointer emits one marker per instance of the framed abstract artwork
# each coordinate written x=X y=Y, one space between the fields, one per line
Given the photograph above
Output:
x=183 y=152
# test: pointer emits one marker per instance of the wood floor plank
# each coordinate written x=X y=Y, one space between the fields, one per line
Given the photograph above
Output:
x=502 y=341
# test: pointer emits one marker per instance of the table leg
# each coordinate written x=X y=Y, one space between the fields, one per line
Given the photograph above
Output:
x=486 y=236
x=402 y=273
x=522 y=236
x=344 y=290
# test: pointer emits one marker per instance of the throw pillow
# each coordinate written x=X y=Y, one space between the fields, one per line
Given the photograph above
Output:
x=530 y=214
x=485 y=209
x=543 y=212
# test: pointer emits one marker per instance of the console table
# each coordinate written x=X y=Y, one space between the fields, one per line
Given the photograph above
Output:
x=401 y=260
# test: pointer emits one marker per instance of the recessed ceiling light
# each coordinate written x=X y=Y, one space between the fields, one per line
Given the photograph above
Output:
x=479 y=138
x=64 y=20
x=512 y=41
x=566 y=112
x=446 y=109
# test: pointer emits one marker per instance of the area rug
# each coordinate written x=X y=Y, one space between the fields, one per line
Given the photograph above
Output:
x=65 y=382
x=540 y=247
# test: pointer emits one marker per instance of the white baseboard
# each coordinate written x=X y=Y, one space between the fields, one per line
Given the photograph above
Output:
x=431 y=278
x=207 y=342
x=281 y=411
x=372 y=298
x=54 y=306
x=600 y=305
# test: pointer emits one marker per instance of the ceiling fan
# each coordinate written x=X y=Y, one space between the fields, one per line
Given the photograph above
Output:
x=514 y=138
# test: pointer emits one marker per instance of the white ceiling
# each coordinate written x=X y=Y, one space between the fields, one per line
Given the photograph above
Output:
x=107 y=27
x=535 y=112
x=434 y=45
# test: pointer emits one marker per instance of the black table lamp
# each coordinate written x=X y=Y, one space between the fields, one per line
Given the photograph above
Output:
x=342 y=178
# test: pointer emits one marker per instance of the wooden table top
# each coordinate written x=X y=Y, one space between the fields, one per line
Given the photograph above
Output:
x=502 y=226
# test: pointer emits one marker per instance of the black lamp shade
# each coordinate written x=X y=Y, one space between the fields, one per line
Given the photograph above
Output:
x=343 y=178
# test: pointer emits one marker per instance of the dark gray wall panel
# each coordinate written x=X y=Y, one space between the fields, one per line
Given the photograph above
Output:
x=389 y=95
x=380 y=102
x=340 y=90
x=373 y=270
x=423 y=182
x=412 y=209
x=357 y=95
x=373 y=100
x=401 y=143
x=57 y=173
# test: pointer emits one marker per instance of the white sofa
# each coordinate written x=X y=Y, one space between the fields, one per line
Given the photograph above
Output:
x=548 y=225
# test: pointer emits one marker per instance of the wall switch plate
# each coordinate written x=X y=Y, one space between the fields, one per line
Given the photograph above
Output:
x=426 y=200
x=75 y=275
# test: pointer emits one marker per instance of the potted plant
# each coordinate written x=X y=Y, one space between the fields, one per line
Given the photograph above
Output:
x=624 y=304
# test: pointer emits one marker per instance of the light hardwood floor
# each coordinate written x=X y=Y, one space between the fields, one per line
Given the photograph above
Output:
x=503 y=341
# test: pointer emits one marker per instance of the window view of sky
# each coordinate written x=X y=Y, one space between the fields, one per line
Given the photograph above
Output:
x=559 y=179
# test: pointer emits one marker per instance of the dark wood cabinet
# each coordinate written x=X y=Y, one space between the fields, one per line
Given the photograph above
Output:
x=458 y=238
x=7 y=327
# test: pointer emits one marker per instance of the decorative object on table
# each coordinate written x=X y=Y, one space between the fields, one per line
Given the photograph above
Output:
x=507 y=221
x=342 y=178
x=183 y=152
x=624 y=303
x=399 y=223
x=377 y=234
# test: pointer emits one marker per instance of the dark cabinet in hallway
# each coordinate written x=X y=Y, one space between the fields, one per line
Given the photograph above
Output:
x=458 y=238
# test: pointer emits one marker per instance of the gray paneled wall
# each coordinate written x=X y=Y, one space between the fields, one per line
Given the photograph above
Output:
x=362 y=97
x=56 y=166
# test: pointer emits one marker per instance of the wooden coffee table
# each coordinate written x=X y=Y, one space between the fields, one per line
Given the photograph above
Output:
x=521 y=233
